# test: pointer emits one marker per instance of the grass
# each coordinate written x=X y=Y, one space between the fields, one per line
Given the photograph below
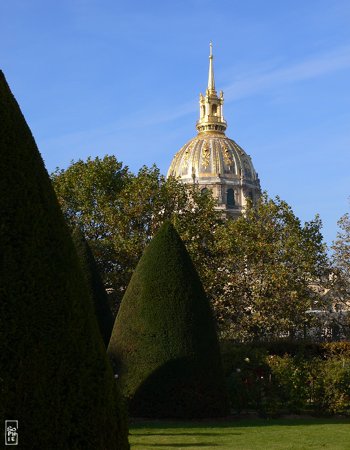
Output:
x=259 y=434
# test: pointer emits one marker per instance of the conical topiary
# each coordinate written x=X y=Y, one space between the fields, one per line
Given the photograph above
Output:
x=164 y=344
x=55 y=378
x=97 y=291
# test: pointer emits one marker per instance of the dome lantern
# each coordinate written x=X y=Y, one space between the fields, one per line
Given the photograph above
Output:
x=211 y=117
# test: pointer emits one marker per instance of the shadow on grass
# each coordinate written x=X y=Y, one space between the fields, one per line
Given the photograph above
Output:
x=182 y=445
x=184 y=434
x=230 y=423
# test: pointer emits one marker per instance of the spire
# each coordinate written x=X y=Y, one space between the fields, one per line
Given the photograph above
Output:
x=211 y=117
x=211 y=81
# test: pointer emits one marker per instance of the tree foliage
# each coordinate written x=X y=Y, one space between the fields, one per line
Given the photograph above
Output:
x=121 y=216
x=340 y=279
x=55 y=378
x=258 y=271
x=164 y=340
x=87 y=193
x=266 y=264
x=341 y=247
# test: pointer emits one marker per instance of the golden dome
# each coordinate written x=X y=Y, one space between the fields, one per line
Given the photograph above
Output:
x=211 y=155
x=213 y=161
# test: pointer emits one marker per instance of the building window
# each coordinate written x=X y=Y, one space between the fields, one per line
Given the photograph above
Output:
x=230 y=198
x=214 y=109
x=204 y=190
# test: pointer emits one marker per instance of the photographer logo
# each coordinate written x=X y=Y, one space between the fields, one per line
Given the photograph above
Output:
x=11 y=433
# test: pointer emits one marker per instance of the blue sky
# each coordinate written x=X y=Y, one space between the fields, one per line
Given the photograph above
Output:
x=110 y=77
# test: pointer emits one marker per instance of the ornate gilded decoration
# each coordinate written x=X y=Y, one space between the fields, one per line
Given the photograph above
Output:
x=186 y=158
x=227 y=155
x=187 y=153
x=205 y=155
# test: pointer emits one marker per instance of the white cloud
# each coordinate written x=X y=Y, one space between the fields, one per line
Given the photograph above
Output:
x=313 y=67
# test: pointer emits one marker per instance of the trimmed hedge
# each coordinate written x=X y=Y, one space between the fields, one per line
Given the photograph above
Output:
x=55 y=378
x=301 y=349
x=97 y=291
x=288 y=377
x=164 y=342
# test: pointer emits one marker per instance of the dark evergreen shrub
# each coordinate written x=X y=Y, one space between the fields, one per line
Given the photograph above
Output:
x=55 y=378
x=97 y=291
x=164 y=342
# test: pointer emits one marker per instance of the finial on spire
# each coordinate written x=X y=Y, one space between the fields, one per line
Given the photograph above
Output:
x=211 y=81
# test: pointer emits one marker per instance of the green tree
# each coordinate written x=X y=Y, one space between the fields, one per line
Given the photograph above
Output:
x=267 y=264
x=261 y=269
x=55 y=378
x=122 y=215
x=97 y=290
x=164 y=340
x=340 y=278
x=87 y=193
x=341 y=247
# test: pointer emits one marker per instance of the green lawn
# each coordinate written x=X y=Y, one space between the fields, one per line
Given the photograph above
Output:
x=259 y=434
